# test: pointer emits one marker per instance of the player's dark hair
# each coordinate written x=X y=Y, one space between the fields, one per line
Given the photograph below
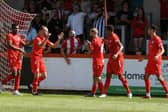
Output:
x=14 y=26
x=110 y=28
x=153 y=27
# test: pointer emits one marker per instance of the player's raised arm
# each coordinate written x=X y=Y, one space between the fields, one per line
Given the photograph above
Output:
x=54 y=45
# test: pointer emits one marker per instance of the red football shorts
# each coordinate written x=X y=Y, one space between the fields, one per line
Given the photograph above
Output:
x=115 y=67
x=153 y=69
x=97 y=70
x=37 y=65
x=15 y=63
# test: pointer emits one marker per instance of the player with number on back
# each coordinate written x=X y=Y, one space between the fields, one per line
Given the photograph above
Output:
x=96 y=49
x=116 y=60
x=37 y=64
x=15 y=50
x=153 y=66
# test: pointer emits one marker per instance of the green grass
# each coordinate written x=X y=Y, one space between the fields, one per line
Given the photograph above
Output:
x=79 y=103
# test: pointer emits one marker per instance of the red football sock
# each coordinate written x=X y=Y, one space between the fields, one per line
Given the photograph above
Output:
x=94 y=88
x=147 y=85
x=107 y=84
x=125 y=84
x=17 y=82
x=35 y=84
x=164 y=86
x=41 y=79
x=8 y=78
x=100 y=85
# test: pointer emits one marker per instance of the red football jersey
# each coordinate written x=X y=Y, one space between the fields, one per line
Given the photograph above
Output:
x=113 y=45
x=71 y=45
x=36 y=50
x=97 y=47
x=15 y=40
x=154 y=46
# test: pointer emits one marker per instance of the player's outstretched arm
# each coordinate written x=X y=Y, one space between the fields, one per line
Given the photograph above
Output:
x=54 y=45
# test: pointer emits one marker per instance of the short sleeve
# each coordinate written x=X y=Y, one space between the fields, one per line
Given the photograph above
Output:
x=8 y=38
x=116 y=39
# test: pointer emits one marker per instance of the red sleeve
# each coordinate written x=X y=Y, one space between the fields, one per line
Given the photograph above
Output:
x=145 y=23
x=133 y=22
x=64 y=44
x=8 y=38
x=116 y=39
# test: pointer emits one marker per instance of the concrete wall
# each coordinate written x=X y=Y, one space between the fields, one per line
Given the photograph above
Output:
x=153 y=6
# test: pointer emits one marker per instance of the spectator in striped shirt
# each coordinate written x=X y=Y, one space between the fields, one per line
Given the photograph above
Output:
x=99 y=22
x=71 y=45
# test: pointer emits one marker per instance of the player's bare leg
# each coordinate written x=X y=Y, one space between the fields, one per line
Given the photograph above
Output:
x=100 y=85
x=35 y=83
x=94 y=87
x=147 y=86
x=125 y=84
x=17 y=83
x=107 y=84
x=163 y=83
x=42 y=77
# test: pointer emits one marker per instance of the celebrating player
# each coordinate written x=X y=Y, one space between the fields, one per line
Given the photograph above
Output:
x=72 y=45
x=96 y=49
x=15 y=50
x=116 y=60
x=37 y=64
x=153 y=66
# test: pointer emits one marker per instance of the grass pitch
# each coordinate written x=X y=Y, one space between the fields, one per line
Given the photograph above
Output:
x=79 y=103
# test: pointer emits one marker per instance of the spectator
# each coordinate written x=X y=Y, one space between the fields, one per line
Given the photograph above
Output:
x=76 y=22
x=124 y=18
x=38 y=22
x=99 y=22
x=139 y=25
x=32 y=33
x=45 y=14
x=58 y=6
x=45 y=3
x=32 y=7
x=55 y=27
x=71 y=45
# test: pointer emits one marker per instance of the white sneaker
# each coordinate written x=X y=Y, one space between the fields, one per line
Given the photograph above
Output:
x=102 y=96
x=130 y=95
x=17 y=93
